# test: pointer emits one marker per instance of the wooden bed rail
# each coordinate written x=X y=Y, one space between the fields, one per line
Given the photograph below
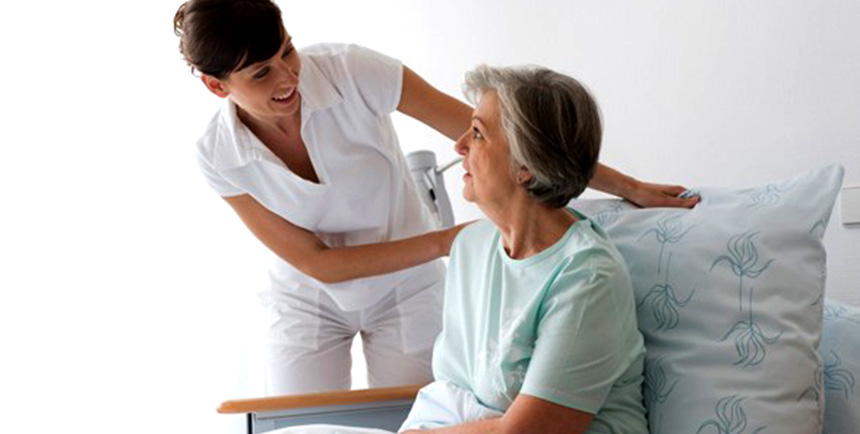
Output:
x=275 y=403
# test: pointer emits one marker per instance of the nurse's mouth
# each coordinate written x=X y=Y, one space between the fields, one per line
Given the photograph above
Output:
x=285 y=97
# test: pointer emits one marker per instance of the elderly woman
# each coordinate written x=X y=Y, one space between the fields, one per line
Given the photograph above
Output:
x=539 y=331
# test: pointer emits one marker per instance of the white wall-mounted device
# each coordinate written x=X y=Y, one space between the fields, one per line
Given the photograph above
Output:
x=851 y=206
x=431 y=185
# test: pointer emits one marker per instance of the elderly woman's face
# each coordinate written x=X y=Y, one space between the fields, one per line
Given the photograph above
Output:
x=486 y=157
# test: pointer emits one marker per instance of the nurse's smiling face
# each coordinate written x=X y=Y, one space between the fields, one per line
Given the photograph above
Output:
x=267 y=89
x=486 y=156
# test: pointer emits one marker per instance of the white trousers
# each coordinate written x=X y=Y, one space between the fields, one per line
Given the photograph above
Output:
x=310 y=338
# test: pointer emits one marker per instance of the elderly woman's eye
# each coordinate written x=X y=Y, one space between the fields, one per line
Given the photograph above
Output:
x=477 y=134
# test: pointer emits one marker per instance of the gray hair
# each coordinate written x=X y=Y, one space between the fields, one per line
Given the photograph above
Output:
x=552 y=125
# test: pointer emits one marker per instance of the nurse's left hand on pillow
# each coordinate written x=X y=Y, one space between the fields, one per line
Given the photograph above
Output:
x=648 y=195
x=643 y=194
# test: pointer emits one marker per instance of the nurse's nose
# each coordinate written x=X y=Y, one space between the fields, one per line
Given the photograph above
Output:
x=288 y=70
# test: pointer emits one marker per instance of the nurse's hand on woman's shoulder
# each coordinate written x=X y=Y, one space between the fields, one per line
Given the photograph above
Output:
x=648 y=195
x=449 y=234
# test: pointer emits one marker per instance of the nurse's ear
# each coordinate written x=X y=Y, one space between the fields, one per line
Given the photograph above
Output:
x=216 y=86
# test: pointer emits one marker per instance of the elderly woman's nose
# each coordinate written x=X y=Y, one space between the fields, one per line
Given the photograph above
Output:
x=460 y=146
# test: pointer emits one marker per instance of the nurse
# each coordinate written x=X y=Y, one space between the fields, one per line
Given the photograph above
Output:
x=305 y=153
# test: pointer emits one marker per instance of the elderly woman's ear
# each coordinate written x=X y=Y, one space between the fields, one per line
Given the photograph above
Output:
x=523 y=175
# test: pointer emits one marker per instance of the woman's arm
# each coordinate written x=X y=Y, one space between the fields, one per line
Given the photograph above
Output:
x=526 y=415
x=303 y=250
x=439 y=111
x=452 y=118
x=644 y=194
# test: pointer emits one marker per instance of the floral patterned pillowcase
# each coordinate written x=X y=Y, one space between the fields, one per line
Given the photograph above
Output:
x=729 y=297
x=840 y=351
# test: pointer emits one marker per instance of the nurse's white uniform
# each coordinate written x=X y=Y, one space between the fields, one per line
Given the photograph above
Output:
x=365 y=195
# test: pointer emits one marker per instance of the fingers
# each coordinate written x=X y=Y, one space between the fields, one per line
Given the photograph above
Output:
x=450 y=234
x=463 y=225
x=672 y=190
x=675 y=200
x=680 y=202
x=665 y=196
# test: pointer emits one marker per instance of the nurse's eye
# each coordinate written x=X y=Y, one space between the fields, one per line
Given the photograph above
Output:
x=261 y=73
x=289 y=50
x=477 y=134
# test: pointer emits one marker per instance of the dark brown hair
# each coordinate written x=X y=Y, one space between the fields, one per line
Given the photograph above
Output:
x=218 y=37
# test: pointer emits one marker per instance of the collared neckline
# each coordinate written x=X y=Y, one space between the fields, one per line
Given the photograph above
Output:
x=317 y=91
x=235 y=144
x=238 y=146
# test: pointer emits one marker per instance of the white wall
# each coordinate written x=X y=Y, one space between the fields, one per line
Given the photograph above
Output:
x=128 y=288
x=730 y=93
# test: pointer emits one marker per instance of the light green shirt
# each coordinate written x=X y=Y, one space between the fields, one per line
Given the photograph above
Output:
x=560 y=326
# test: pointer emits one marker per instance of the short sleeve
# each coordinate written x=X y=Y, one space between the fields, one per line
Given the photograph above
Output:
x=580 y=347
x=378 y=78
x=215 y=180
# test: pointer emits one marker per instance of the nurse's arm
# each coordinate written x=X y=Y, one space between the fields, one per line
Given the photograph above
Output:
x=437 y=110
x=452 y=118
x=526 y=415
x=305 y=251
x=644 y=194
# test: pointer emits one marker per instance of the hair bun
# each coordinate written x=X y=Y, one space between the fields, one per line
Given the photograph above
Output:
x=179 y=19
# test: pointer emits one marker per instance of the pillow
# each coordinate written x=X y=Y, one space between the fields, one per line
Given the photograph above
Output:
x=729 y=299
x=840 y=352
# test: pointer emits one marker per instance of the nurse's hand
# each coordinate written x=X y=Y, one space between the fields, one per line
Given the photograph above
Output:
x=448 y=235
x=309 y=254
x=648 y=195
x=644 y=194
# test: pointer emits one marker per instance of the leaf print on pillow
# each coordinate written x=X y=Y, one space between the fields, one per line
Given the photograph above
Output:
x=731 y=417
x=743 y=258
x=837 y=378
x=665 y=304
x=669 y=230
x=750 y=342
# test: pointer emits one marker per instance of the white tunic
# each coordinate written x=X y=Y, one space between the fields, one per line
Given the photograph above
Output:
x=365 y=194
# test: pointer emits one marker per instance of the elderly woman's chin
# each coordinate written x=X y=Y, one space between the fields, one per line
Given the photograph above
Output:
x=468 y=191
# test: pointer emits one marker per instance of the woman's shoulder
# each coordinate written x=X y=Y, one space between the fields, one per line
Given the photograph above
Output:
x=219 y=144
x=358 y=74
x=483 y=229
x=590 y=238
x=590 y=251
x=343 y=57
x=474 y=238
x=325 y=50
